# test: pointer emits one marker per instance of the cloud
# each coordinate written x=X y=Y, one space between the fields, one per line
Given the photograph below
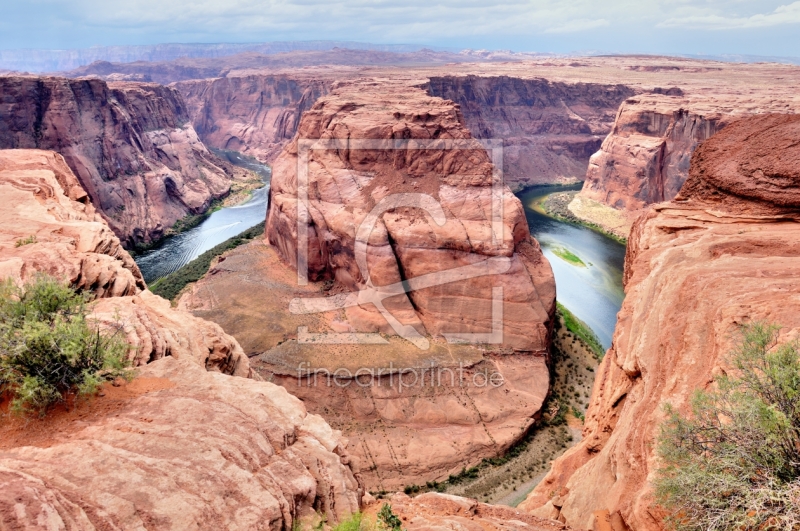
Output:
x=583 y=24
x=545 y=25
x=784 y=14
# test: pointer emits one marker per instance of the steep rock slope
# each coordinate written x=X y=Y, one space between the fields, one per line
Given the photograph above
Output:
x=130 y=145
x=645 y=159
x=181 y=448
x=348 y=184
x=549 y=129
x=724 y=253
x=444 y=414
x=49 y=226
x=251 y=113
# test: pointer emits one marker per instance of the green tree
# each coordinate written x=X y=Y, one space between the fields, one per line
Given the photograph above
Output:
x=734 y=463
x=48 y=348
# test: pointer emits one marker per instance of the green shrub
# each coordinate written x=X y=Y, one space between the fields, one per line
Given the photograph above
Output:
x=48 y=348
x=734 y=463
x=390 y=521
x=356 y=522
x=25 y=241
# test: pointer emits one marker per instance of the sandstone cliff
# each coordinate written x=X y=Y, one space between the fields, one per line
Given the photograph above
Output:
x=444 y=415
x=645 y=159
x=130 y=145
x=549 y=129
x=346 y=183
x=49 y=226
x=180 y=447
x=253 y=113
x=177 y=448
x=724 y=253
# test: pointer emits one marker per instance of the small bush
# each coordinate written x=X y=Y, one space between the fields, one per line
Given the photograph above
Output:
x=25 y=241
x=734 y=463
x=390 y=521
x=48 y=348
x=356 y=522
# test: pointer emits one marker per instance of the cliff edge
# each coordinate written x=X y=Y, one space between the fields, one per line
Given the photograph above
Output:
x=724 y=253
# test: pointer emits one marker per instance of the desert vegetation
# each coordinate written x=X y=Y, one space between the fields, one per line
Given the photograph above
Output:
x=734 y=461
x=568 y=256
x=49 y=349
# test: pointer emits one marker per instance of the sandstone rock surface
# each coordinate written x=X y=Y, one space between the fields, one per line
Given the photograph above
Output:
x=50 y=225
x=434 y=512
x=156 y=330
x=180 y=448
x=452 y=211
x=645 y=159
x=725 y=253
x=130 y=145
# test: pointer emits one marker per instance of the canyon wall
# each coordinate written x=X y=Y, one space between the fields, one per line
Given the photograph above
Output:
x=256 y=114
x=130 y=145
x=182 y=445
x=50 y=226
x=549 y=129
x=726 y=252
x=645 y=159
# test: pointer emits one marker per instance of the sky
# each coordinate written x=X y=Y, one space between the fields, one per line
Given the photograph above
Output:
x=763 y=27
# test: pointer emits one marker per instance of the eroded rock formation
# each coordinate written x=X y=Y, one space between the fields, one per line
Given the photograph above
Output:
x=449 y=416
x=645 y=159
x=49 y=226
x=477 y=222
x=549 y=129
x=724 y=253
x=130 y=145
x=433 y=511
x=179 y=448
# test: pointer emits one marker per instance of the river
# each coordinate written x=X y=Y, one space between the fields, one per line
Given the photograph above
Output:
x=592 y=291
x=177 y=251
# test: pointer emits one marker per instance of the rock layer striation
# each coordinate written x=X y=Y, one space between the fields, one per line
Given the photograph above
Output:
x=49 y=226
x=131 y=146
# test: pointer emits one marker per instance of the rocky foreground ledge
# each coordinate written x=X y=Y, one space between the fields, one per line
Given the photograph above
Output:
x=186 y=444
x=724 y=253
